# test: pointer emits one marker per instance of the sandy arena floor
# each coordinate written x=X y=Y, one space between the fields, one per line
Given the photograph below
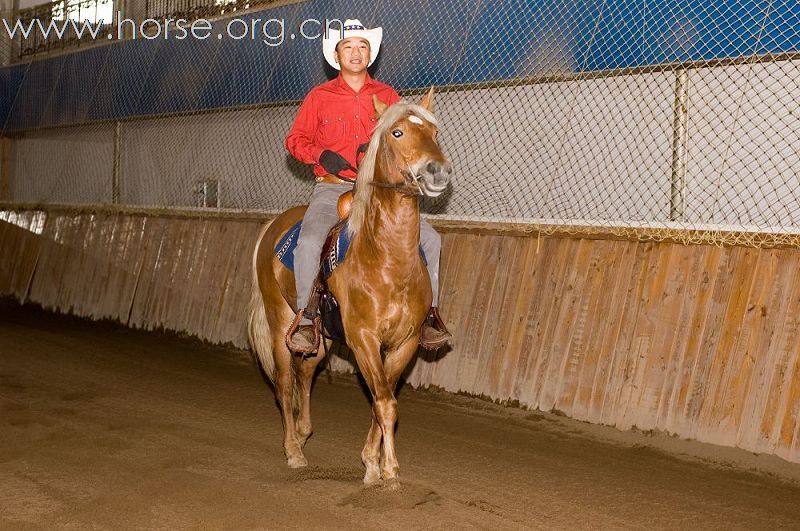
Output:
x=104 y=427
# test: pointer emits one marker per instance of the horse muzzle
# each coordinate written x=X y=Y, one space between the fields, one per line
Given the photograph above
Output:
x=434 y=176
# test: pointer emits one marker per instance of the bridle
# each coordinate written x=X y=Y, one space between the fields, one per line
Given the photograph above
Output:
x=409 y=187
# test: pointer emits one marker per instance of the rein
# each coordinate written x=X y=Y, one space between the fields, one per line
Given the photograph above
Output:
x=410 y=187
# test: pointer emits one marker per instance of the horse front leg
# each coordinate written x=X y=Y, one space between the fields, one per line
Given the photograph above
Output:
x=371 y=454
x=394 y=364
x=366 y=349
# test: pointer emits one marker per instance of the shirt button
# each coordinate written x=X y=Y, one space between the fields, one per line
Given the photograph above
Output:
x=356 y=116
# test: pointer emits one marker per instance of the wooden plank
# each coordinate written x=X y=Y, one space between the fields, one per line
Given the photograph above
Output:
x=231 y=327
x=428 y=366
x=555 y=257
x=76 y=280
x=742 y=360
x=671 y=331
x=209 y=269
x=127 y=258
x=612 y=272
x=477 y=309
x=530 y=322
x=108 y=290
x=461 y=296
x=50 y=268
x=5 y=168
x=491 y=342
x=653 y=392
x=789 y=440
x=11 y=238
x=624 y=355
x=554 y=341
x=523 y=277
x=755 y=398
x=577 y=324
x=154 y=237
x=28 y=248
x=784 y=349
x=184 y=310
x=100 y=266
x=691 y=324
x=700 y=385
x=727 y=359
x=638 y=397
x=788 y=407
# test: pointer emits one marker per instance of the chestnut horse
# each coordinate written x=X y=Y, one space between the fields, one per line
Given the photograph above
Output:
x=382 y=286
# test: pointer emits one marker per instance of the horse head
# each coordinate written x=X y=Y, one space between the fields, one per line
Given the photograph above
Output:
x=410 y=158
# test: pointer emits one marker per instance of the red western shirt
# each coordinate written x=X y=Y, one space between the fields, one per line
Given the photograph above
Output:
x=333 y=116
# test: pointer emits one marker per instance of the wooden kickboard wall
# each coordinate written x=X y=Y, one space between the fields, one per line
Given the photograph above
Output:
x=698 y=341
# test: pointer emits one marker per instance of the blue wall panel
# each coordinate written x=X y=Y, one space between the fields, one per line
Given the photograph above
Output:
x=416 y=55
x=501 y=41
x=74 y=90
x=35 y=93
x=782 y=33
x=238 y=74
x=10 y=82
x=122 y=82
x=175 y=81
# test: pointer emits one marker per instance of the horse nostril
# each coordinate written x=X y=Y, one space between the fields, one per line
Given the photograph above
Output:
x=432 y=168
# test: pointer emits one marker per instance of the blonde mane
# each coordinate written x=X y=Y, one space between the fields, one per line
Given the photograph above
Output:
x=366 y=171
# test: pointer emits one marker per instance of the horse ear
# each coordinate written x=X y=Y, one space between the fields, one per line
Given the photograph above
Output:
x=427 y=100
x=380 y=107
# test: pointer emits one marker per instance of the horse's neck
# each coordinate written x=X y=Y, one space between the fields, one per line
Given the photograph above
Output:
x=391 y=226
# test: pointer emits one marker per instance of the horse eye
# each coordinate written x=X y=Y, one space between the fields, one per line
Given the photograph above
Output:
x=397 y=133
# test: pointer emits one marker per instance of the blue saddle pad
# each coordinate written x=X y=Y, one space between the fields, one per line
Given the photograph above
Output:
x=284 y=250
x=334 y=256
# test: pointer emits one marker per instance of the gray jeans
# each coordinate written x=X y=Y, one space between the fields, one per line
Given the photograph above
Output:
x=320 y=218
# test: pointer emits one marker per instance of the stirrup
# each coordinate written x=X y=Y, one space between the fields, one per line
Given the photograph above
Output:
x=296 y=349
x=435 y=323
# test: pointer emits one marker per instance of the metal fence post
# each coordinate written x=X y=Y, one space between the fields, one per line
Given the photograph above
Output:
x=677 y=206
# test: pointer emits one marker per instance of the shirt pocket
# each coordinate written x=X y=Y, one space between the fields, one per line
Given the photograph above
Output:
x=331 y=130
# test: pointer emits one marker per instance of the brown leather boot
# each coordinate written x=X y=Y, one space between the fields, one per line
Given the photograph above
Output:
x=434 y=334
x=303 y=339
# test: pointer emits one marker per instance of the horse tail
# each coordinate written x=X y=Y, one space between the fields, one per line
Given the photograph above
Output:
x=257 y=325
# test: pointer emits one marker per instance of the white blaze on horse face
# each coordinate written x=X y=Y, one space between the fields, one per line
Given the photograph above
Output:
x=415 y=120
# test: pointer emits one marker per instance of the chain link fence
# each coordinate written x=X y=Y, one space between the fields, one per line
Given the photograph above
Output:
x=648 y=118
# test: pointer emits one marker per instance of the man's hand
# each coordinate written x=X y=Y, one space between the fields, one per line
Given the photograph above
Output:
x=361 y=152
x=334 y=163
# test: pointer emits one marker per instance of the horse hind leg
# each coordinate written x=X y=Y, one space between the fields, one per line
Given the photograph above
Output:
x=305 y=370
x=285 y=391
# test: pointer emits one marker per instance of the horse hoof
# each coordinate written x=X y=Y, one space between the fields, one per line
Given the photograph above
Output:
x=297 y=462
x=372 y=477
x=392 y=484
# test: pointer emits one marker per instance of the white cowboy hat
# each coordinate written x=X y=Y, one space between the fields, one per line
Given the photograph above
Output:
x=351 y=28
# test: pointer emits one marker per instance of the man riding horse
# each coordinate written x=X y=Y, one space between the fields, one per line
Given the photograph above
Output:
x=332 y=129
